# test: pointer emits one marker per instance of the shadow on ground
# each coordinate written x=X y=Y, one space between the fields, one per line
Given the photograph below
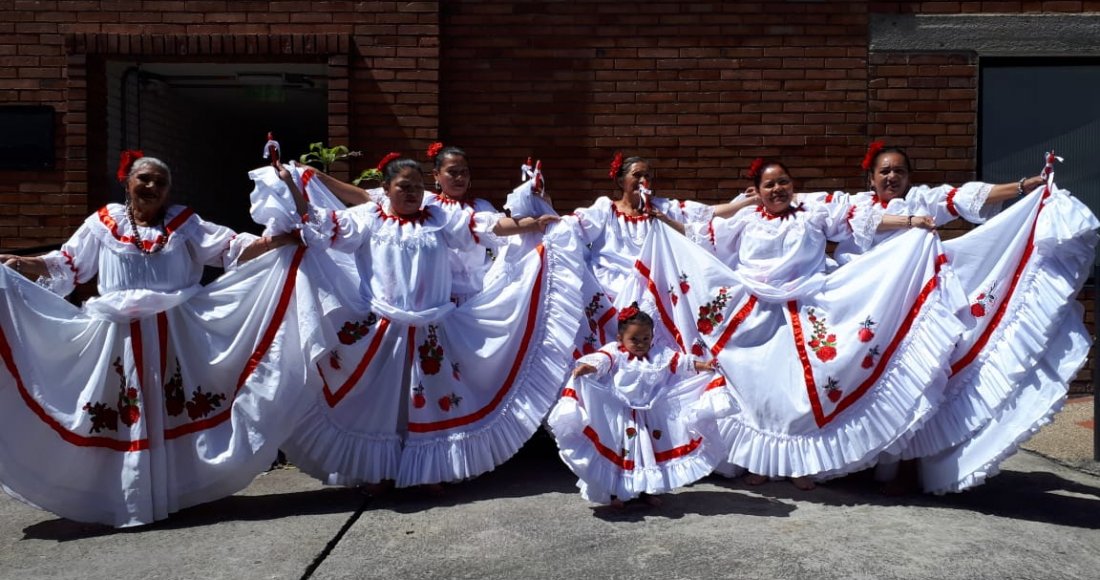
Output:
x=535 y=470
x=1037 y=496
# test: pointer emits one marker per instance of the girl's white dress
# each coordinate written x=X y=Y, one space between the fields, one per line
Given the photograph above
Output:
x=1025 y=340
x=414 y=388
x=829 y=370
x=638 y=425
x=160 y=393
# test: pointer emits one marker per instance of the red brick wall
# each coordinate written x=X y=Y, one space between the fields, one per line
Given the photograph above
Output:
x=383 y=55
x=701 y=88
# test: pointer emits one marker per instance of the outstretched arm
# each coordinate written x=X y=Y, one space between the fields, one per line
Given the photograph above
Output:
x=903 y=222
x=265 y=244
x=507 y=226
x=1005 y=191
x=725 y=210
x=301 y=207
x=345 y=192
x=29 y=267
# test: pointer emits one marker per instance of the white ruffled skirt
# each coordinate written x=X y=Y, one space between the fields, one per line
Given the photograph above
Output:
x=1026 y=340
x=125 y=423
x=823 y=384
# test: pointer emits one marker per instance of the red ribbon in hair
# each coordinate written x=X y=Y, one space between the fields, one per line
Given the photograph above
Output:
x=126 y=161
x=755 y=167
x=616 y=163
x=872 y=151
x=628 y=312
x=386 y=160
x=434 y=149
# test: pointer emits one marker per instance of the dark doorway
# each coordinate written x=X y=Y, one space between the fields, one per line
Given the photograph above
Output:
x=1030 y=106
x=209 y=122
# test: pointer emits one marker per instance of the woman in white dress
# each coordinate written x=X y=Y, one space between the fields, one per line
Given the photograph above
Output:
x=1019 y=273
x=451 y=171
x=614 y=231
x=415 y=390
x=159 y=393
x=828 y=370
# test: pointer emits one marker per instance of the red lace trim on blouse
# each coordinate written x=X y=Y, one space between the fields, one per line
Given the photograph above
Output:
x=632 y=356
x=629 y=218
x=419 y=218
x=951 y=209
x=771 y=216
x=448 y=200
x=162 y=239
x=70 y=263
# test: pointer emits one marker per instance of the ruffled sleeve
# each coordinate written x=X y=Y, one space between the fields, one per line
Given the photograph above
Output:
x=695 y=216
x=591 y=220
x=602 y=360
x=376 y=194
x=946 y=203
x=75 y=263
x=486 y=218
x=865 y=217
x=216 y=245
x=726 y=233
x=344 y=230
x=835 y=217
x=461 y=230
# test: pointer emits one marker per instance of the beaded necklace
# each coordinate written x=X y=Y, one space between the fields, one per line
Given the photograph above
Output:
x=158 y=244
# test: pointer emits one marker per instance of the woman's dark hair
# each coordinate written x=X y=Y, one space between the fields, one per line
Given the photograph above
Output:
x=633 y=315
x=448 y=150
x=393 y=168
x=880 y=152
x=626 y=166
x=759 y=173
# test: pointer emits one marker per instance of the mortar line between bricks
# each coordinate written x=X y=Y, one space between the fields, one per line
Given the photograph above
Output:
x=334 y=541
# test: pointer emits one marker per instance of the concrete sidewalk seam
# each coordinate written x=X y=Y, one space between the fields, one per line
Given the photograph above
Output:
x=316 y=563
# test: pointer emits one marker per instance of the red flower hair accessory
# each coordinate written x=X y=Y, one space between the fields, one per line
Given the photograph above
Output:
x=628 y=312
x=386 y=160
x=872 y=151
x=755 y=167
x=126 y=161
x=616 y=164
x=434 y=149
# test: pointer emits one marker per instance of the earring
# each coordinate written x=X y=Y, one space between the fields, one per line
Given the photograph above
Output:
x=438 y=185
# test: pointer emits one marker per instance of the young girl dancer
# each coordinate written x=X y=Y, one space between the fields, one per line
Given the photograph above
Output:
x=636 y=421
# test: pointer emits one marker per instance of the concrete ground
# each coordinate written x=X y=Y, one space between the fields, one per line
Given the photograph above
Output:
x=1070 y=438
x=1039 y=519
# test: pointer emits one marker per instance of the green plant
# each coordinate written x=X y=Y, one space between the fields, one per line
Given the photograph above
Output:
x=326 y=156
x=371 y=174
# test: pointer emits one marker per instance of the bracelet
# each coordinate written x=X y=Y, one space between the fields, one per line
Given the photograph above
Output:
x=18 y=267
x=909 y=222
x=1020 y=186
